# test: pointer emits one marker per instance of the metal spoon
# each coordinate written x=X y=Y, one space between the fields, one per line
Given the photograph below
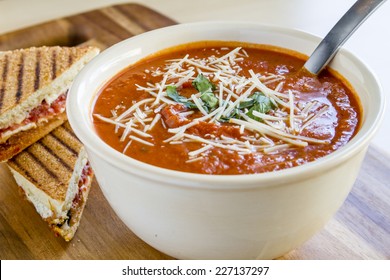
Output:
x=337 y=36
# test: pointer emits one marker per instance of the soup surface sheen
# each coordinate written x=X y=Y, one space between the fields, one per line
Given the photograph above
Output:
x=225 y=108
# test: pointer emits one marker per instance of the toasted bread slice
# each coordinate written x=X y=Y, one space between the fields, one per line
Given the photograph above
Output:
x=22 y=140
x=33 y=87
x=55 y=176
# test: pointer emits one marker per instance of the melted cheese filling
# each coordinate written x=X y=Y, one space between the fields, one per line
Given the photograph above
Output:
x=31 y=122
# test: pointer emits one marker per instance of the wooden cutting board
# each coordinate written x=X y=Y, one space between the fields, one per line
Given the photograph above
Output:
x=360 y=230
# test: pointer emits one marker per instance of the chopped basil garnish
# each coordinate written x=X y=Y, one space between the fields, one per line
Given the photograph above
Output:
x=202 y=84
x=246 y=104
x=206 y=88
x=256 y=102
x=172 y=93
x=261 y=103
x=234 y=114
x=209 y=99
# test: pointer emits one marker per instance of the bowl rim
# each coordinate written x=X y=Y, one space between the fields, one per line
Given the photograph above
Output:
x=186 y=179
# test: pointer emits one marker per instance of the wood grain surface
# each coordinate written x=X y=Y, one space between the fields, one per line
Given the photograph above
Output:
x=359 y=230
x=102 y=28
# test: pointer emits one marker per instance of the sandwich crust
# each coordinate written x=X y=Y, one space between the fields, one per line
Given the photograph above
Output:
x=55 y=177
x=68 y=229
x=50 y=162
x=29 y=78
x=18 y=142
x=27 y=72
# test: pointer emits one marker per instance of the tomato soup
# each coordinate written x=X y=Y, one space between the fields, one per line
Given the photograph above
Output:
x=225 y=108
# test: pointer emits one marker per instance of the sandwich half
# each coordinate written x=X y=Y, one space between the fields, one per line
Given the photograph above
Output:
x=33 y=86
x=55 y=176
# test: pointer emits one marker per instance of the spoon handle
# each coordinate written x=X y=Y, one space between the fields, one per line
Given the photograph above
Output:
x=343 y=29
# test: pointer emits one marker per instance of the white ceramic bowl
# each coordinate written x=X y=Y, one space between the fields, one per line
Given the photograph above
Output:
x=194 y=216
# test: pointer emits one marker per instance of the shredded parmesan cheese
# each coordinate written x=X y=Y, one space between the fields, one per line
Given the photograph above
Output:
x=141 y=140
x=273 y=131
x=199 y=151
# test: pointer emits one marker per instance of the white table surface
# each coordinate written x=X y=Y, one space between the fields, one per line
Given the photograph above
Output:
x=371 y=42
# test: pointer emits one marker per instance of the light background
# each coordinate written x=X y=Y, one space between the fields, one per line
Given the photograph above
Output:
x=371 y=42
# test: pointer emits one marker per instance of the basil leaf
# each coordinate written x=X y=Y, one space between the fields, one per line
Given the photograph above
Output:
x=235 y=114
x=265 y=104
x=206 y=88
x=202 y=84
x=209 y=99
x=246 y=104
x=262 y=104
x=250 y=113
x=173 y=94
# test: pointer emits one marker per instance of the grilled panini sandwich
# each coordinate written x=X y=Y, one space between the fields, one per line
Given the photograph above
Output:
x=55 y=177
x=33 y=87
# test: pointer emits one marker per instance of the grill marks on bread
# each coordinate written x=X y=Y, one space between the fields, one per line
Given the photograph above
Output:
x=19 y=91
x=37 y=70
x=50 y=152
x=22 y=72
x=69 y=129
x=54 y=64
x=65 y=144
x=16 y=165
x=3 y=81
x=49 y=163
